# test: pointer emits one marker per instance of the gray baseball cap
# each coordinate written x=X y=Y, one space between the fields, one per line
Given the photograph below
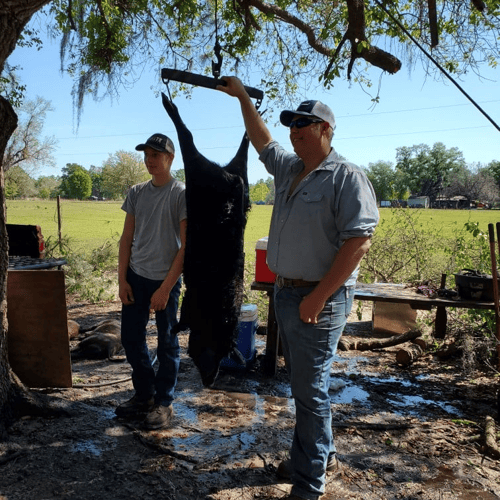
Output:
x=159 y=142
x=309 y=108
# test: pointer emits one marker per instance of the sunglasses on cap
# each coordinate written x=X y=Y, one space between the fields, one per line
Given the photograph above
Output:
x=304 y=121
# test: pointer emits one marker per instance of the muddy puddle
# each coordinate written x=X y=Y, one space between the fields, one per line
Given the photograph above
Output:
x=352 y=383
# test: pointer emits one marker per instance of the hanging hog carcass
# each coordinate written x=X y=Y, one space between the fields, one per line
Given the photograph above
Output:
x=217 y=204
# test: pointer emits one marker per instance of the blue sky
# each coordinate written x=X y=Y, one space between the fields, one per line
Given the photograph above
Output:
x=412 y=110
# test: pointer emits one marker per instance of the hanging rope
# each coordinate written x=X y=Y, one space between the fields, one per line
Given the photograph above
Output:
x=216 y=66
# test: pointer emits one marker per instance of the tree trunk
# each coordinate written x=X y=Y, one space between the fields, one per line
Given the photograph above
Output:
x=14 y=15
x=8 y=119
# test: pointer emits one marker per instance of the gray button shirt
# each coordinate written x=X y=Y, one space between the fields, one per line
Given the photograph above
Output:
x=331 y=204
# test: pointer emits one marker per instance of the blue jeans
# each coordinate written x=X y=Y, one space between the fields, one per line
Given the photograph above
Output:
x=135 y=317
x=309 y=350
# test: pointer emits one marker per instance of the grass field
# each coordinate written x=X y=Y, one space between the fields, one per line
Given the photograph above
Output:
x=89 y=223
x=448 y=222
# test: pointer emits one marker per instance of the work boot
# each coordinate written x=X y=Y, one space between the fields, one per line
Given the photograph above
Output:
x=284 y=470
x=134 y=407
x=159 y=417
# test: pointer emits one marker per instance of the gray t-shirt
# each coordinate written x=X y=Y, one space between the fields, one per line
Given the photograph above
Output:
x=158 y=212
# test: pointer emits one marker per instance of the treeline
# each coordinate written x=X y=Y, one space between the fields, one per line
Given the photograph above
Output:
x=420 y=170
x=436 y=172
x=109 y=182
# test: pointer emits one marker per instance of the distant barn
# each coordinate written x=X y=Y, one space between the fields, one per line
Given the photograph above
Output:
x=455 y=202
x=418 y=202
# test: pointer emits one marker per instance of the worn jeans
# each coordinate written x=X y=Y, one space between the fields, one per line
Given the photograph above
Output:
x=135 y=317
x=309 y=350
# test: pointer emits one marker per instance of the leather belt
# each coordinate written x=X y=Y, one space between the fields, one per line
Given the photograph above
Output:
x=285 y=282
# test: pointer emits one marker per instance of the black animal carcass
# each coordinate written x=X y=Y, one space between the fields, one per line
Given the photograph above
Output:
x=217 y=203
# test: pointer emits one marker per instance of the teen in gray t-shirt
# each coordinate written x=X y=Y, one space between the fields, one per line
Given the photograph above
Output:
x=150 y=263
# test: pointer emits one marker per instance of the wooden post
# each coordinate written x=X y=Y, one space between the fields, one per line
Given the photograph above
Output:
x=494 y=276
x=273 y=339
x=59 y=222
x=441 y=316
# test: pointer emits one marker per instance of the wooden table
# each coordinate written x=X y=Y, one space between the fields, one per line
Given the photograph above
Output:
x=390 y=292
x=374 y=292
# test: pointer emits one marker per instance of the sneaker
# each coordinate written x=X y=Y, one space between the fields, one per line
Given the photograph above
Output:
x=159 y=417
x=284 y=470
x=134 y=407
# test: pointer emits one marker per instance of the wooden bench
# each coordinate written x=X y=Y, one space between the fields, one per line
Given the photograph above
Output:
x=374 y=292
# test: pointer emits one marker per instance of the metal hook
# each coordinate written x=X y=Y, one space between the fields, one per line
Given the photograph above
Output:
x=166 y=81
x=216 y=66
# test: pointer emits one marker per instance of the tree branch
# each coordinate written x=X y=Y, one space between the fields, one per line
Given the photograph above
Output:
x=355 y=34
x=360 y=47
x=106 y=53
x=247 y=17
x=69 y=11
x=433 y=23
x=479 y=4
x=292 y=20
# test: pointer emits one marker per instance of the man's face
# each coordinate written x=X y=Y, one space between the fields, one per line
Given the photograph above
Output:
x=305 y=138
x=157 y=162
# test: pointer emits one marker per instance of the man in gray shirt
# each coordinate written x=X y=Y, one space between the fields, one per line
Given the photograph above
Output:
x=324 y=215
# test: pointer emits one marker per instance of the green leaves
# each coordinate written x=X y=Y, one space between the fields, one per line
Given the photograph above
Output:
x=286 y=41
x=363 y=45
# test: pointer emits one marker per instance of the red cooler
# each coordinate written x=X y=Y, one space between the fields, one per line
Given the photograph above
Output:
x=262 y=272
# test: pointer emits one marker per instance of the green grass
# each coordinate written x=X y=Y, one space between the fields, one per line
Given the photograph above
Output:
x=450 y=221
x=88 y=223
x=259 y=220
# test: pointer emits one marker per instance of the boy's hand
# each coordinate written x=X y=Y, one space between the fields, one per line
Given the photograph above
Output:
x=159 y=300
x=125 y=293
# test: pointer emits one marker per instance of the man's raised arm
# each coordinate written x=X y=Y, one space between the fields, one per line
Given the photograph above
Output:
x=257 y=131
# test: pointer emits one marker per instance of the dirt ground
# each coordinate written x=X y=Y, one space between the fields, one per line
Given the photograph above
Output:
x=401 y=433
